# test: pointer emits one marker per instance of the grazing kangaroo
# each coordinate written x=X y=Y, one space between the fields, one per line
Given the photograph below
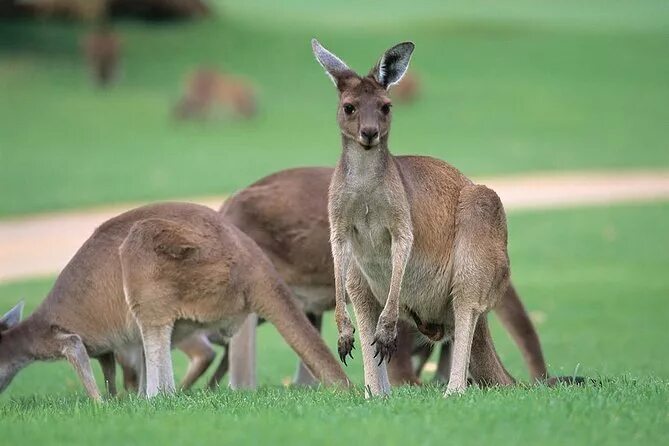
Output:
x=207 y=90
x=411 y=237
x=151 y=276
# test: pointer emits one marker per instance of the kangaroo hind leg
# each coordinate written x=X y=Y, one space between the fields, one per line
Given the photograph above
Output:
x=480 y=275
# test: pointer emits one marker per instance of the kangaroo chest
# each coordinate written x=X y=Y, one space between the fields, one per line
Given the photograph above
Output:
x=425 y=285
x=369 y=228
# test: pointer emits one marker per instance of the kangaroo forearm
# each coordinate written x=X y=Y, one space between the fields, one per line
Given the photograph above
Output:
x=341 y=256
x=401 y=249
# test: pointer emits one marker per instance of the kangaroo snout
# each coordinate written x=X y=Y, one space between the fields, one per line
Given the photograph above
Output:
x=369 y=137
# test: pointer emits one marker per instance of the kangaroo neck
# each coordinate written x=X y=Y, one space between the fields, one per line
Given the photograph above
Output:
x=365 y=165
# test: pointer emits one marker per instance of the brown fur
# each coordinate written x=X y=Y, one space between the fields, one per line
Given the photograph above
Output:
x=206 y=90
x=200 y=356
x=102 y=50
x=411 y=236
x=407 y=90
x=197 y=347
x=151 y=275
x=286 y=215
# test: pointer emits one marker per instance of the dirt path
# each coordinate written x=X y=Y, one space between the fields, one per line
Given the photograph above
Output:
x=41 y=245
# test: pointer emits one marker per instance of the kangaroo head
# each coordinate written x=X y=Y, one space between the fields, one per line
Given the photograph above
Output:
x=364 y=111
x=8 y=356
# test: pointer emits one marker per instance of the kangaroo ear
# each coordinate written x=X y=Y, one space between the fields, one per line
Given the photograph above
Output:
x=12 y=317
x=393 y=64
x=334 y=66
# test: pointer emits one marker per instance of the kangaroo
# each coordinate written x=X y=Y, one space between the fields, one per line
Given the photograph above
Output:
x=516 y=321
x=286 y=214
x=197 y=347
x=207 y=89
x=151 y=276
x=102 y=50
x=411 y=237
x=407 y=90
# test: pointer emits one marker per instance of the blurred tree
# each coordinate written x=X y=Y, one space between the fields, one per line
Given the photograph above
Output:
x=87 y=10
x=159 y=9
x=15 y=8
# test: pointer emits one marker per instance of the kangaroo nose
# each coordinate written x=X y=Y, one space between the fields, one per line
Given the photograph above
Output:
x=369 y=134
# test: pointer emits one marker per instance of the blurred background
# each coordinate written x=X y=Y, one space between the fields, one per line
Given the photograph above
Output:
x=135 y=100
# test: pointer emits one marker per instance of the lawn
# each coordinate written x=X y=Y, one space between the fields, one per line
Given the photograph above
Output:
x=528 y=86
x=594 y=280
x=507 y=87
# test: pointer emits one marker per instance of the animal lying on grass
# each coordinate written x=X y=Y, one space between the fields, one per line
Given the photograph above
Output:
x=151 y=276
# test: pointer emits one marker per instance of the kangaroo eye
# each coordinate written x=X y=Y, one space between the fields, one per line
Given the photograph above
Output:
x=349 y=109
x=385 y=108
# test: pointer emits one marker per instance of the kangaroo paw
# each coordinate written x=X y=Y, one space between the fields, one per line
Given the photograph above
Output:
x=345 y=346
x=386 y=345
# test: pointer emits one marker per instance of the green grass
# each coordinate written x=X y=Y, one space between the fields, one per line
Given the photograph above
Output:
x=619 y=412
x=527 y=86
x=508 y=87
x=600 y=14
x=594 y=279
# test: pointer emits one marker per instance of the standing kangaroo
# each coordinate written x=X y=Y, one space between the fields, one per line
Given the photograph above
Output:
x=150 y=276
x=102 y=49
x=411 y=237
